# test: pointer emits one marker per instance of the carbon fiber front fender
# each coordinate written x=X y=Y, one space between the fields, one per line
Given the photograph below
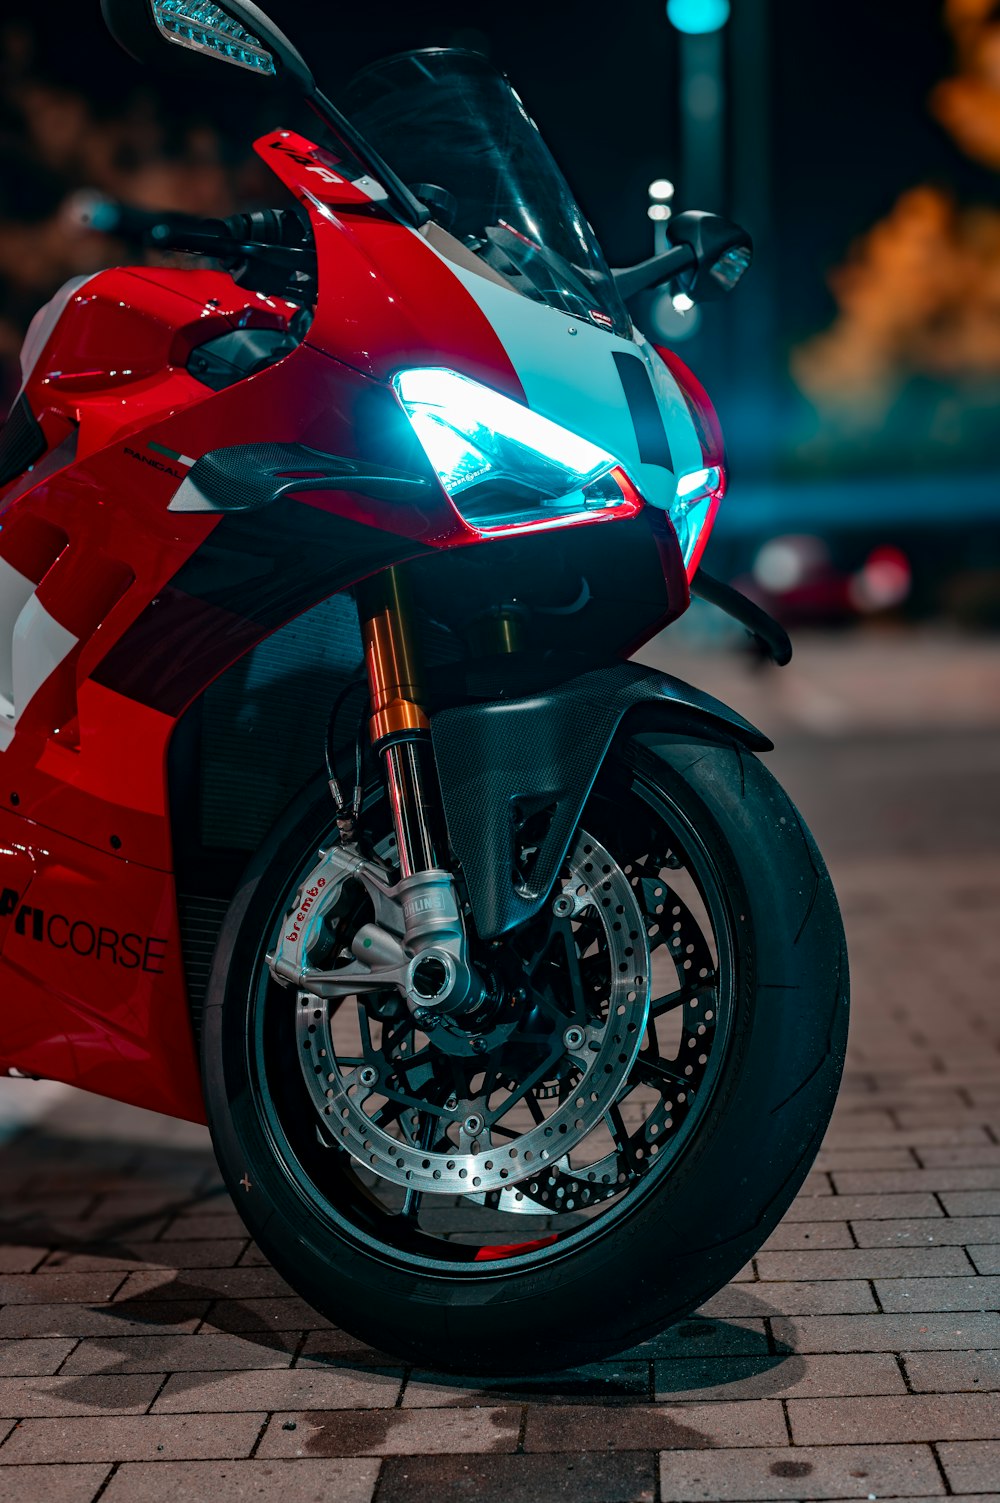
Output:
x=502 y=762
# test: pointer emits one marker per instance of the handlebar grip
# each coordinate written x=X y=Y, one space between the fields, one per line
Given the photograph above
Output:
x=108 y=217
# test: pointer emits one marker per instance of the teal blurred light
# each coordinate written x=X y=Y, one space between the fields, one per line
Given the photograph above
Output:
x=696 y=17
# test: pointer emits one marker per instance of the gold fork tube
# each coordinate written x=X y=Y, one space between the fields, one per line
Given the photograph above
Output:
x=399 y=727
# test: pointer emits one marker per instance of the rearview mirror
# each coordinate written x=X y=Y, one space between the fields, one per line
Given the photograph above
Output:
x=707 y=257
x=233 y=32
x=723 y=251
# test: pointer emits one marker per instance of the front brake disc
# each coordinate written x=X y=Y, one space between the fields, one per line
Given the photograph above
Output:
x=594 y=886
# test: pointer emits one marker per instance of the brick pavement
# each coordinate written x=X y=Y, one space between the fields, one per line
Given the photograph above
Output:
x=147 y=1351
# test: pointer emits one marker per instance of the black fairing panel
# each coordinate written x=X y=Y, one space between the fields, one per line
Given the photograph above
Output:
x=21 y=441
x=506 y=762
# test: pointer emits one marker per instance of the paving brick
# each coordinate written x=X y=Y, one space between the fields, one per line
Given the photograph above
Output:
x=56 y=1484
x=985 y=1256
x=906 y=1181
x=105 y=1394
x=793 y=1235
x=146 y=1437
x=971 y=1202
x=92 y=1234
x=916 y=1117
x=33 y=1357
x=847 y=1135
x=850 y=1118
x=799 y=1473
x=863 y=1263
x=392 y=1432
x=961 y=1156
x=939 y=1294
x=971 y=1466
x=930 y=1417
x=302 y=1481
x=180 y=1353
x=888 y=1333
x=224 y=1222
x=252 y=1257
x=819 y=1376
x=278 y=1388
x=701 y=1337
x=957 y=1231
x=17 y=1259
x=840 y=1157
x=874 y=1207
x=111 y=1320
x=222 y=1283
x=48 y=1288
x=626 y=1477
x=284 y=1314
x=219 y=1253
x=333 y=1345
x=654 y=1427
x=816 y=1184
x=825 y=1297
x=952 y=1372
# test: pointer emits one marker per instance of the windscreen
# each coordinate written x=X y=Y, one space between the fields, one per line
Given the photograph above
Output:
x=455 y=131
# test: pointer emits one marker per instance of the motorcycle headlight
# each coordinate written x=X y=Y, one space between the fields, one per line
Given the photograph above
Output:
x=692 y=511
x=502 y=464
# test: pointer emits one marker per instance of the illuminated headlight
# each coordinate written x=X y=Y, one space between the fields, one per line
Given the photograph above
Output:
x=502 y=464
x=696 y=500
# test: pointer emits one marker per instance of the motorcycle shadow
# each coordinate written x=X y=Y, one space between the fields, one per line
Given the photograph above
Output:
x=129 y=1288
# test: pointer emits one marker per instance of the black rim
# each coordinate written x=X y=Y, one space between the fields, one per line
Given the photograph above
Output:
x=683 y=899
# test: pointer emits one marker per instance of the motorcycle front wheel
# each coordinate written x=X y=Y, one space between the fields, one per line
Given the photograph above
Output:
x=638 y=1110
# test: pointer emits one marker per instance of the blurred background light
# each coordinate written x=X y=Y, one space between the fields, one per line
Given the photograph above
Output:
x=672 y=319
x=696 y=17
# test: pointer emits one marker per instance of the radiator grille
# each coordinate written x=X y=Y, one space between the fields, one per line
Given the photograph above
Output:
x=264 y=723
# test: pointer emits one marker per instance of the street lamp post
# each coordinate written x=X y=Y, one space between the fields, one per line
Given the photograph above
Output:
x=700 y=25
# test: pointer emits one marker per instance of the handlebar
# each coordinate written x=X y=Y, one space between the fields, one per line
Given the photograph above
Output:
x=278 y=234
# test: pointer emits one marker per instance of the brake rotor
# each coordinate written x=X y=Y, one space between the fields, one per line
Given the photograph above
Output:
x=594 y=1052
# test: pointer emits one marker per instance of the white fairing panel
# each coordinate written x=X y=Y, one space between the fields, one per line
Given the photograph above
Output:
x=15 y=592
x=568 y=373
x=44 y=322
x=32 y=645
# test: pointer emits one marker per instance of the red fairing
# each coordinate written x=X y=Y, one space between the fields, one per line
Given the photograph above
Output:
x=93 y=983
x=135 y=608
x=387 y=300
x=713 y=448
x=703 y=413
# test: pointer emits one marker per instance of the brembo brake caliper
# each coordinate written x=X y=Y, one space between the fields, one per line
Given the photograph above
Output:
x=416 y=942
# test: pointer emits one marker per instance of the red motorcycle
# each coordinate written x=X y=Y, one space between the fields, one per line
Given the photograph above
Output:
x=517 y=1027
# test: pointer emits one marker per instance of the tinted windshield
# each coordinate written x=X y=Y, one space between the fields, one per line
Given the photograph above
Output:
x=455 y=131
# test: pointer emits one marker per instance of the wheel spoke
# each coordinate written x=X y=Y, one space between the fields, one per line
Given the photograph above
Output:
x=422 y=1138
x=669 y=1002
x=531 y=1102
x=655 y=1073
x=616 y=1125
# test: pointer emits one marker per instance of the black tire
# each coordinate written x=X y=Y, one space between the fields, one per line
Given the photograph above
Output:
x=699 y=1223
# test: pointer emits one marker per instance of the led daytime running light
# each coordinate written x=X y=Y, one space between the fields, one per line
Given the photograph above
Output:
x=452 y=412
x=500 y=462
x=204 y=27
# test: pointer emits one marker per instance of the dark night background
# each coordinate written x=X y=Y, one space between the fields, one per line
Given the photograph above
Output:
x=829 y=122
